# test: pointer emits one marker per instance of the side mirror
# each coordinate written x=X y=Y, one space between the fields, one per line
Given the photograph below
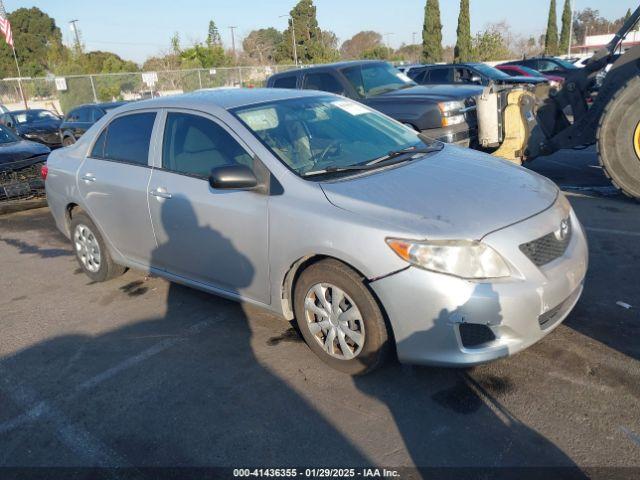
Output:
x=233 y=177
x=476 y=79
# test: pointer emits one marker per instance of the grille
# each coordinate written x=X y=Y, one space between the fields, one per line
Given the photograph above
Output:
x=21 y=184
x=546 y=249
x=549 y=318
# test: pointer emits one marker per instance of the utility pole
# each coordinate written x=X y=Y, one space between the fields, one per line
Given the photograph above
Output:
x=388 y=35
x=414 y=38
x=233 y=41
x=74 y=28
x=293 y=38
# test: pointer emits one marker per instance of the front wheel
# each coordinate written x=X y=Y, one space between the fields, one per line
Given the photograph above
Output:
x=619 y=139
x=91 y=251
x=68 y=141
x=340 y=319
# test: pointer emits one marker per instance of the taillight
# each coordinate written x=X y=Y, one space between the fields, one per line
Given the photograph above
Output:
x=44 y=171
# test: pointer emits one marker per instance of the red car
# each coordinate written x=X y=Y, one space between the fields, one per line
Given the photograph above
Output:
x=521 y=71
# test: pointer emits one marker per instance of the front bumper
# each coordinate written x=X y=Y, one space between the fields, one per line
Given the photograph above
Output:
x=463 y=134
x=427 y=309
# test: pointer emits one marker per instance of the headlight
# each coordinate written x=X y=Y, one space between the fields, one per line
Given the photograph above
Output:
x=454 y=120
x=462 y=258
x=451 y=113
x=450 y=108
x=31 y=135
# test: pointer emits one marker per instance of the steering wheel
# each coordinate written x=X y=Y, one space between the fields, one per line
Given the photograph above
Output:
x=326 y=150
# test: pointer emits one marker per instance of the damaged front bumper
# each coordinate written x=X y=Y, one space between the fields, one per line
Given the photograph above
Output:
x=443 y=320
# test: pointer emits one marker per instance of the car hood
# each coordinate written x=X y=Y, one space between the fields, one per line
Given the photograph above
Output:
x=454 y=194
x=21 y=154
x=436 y=92
x=47 y=126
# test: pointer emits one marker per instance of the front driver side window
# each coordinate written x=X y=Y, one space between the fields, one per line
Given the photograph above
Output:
x=194 y=145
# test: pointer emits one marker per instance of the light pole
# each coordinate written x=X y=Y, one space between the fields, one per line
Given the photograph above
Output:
x=414 y=37
x=388 y=35
x=233 y=42
x=74 y=27
x=293 y=38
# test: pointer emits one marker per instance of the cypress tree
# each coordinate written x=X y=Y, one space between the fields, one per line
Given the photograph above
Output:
x=432 y=33
x=463 y=51
x=551 y=39
x=565 y=36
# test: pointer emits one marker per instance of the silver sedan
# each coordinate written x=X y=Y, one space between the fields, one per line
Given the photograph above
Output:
x=373 y=237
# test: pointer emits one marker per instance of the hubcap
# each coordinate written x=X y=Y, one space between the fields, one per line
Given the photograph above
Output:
x=636 y=141
x=87 y=248
x=334 y=321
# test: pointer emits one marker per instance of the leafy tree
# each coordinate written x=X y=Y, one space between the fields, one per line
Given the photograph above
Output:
x=432 y=33
x=262 y=45
x=202 y=56
x=491 y=45
x=213 y=35
x=358 y=44
x=565 y=36
x=310 y=45
x=551 y=39
x=464 y=50
x=379 y=52
x=409 y=53
x=34 y=34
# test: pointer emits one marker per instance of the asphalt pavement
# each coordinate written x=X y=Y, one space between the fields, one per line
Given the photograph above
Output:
x=141 y=372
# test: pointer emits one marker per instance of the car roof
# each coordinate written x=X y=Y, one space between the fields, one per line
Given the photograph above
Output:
x=30 y=110
x=100 y=105
x=225 y=98
x=329 y=66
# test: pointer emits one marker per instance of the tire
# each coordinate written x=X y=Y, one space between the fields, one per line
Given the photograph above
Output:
x=87 y=241
x=619 y=139
x=333 y=277
x=68 y=141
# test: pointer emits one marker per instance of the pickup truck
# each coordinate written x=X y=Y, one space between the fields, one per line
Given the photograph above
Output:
x=441 y=112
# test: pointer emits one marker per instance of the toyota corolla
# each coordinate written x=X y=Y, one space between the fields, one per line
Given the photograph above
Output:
x=374 y=238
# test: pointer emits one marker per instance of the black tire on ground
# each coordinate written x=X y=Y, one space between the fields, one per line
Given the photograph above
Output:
x=107 y=268
x=616 y=151
x=376 y=340
x=68 y=141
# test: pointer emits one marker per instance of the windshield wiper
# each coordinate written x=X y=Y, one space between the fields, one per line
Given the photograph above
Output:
x=390 y=158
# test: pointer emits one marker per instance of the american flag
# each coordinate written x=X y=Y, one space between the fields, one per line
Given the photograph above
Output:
x=5 y=25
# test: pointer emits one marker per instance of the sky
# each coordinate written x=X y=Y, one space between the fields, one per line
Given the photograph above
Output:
x=137 y=29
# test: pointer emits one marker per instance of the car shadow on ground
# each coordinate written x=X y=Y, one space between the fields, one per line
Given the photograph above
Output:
x=187 y=389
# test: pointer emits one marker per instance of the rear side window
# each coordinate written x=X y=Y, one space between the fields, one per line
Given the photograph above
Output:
x=126 y=139
x=324 y=82
x=285 y=82
x=96 y=114
x=194 y=145
x=83 y=115
x=440 y=75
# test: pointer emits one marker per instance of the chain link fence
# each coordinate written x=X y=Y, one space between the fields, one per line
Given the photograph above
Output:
x=80 y=89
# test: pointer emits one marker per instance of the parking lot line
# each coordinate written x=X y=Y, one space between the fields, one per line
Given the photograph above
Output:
x=34 y=409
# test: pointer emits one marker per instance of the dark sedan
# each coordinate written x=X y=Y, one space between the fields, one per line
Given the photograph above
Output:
x=20 y=163
x=81 y=118
x=38 y=125
x=467 y=74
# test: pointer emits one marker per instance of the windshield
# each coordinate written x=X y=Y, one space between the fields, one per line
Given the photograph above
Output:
x=323 y=133
x=490 y=72
x=531 y=71
x=565 y=64
x=7 y=136
x=377 y=78
x=33 y=116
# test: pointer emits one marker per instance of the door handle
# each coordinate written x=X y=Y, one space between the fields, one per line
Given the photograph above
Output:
x=160 y=193
x=88 y=178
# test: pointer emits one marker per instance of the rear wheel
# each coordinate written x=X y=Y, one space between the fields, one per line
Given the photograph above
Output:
x=91 y=251
x=340 y=319
x=619 y=139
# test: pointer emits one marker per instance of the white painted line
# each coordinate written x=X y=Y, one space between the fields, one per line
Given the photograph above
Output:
x=613 y=231
x=78 y=440
x=634 y=437
x=34 y=410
